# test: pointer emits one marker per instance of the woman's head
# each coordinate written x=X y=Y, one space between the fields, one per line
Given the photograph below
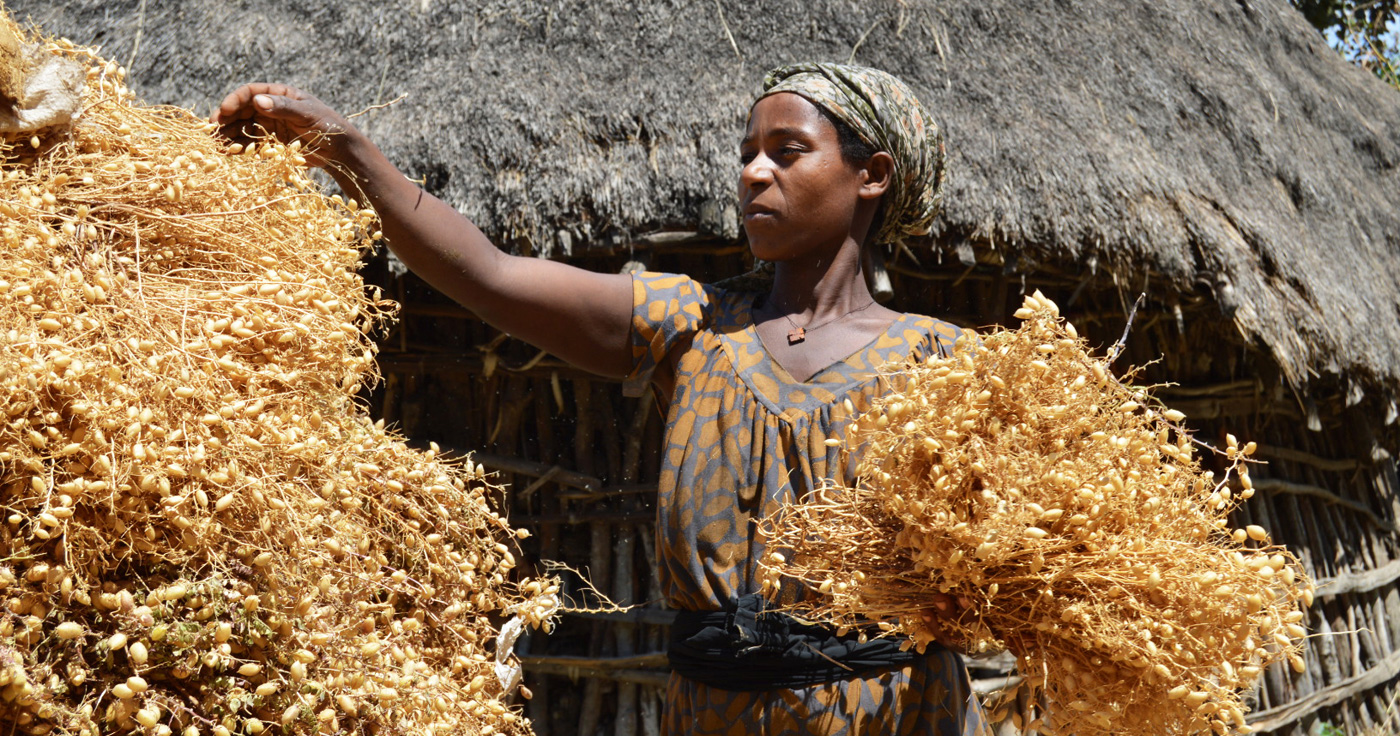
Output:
x=891 y=149
x=802 y=191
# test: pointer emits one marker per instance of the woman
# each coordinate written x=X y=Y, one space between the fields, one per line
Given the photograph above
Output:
x=835 y=158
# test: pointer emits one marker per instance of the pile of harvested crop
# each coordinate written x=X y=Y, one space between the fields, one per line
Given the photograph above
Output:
x=1075 y=520
x=201 y=531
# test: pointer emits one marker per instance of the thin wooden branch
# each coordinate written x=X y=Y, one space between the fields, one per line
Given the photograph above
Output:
x=438 y=310
x=633 y=662
x=549 y=475
x=957 y=278
x=1232 y=406
x=455 y=363
x=626 y=489
x=635 y=669
x=604 y=516
x=539 y=470
x=989 y=263
x=961 y=275
x=1307 y=458
x=1276 y=718
x=1232 y=388
x=650 y=616
x=632 y=454
x=676 y=241
x=1117 y=348
x=1359 y=582
x=654 y=678
x=1274 y=485
x=624 y=592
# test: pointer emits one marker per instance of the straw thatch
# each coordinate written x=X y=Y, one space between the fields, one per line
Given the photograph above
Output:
x=1220 y=147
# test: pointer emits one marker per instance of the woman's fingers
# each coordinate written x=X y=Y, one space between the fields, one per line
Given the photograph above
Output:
x=285 y=112
x=946 y=606
x=296 y=114
x=240 y=118
x=238 y=104
x=943 y=611
x=940 y=634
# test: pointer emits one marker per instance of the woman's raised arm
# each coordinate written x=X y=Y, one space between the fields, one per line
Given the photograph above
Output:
x=581 y=316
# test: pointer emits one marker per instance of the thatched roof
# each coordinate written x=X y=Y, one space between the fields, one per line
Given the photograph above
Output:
x=1216 y=144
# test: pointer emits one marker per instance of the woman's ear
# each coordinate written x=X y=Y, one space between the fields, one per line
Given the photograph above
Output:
x=877 y=174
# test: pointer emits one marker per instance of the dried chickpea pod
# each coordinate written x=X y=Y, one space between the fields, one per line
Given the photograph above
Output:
x=215 y=537
x=1090 y=544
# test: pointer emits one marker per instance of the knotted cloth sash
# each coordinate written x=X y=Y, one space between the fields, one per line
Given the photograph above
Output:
x=749 y=647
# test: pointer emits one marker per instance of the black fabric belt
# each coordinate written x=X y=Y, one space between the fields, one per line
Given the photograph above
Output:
x=748 y=647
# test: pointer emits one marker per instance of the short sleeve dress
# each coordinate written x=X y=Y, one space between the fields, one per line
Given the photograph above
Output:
x=742 y=438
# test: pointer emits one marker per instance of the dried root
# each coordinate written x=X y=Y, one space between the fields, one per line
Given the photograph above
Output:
x=200 y=530
x=1076 y=521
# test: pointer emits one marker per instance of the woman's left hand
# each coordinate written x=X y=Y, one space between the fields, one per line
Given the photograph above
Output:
x=942 y=618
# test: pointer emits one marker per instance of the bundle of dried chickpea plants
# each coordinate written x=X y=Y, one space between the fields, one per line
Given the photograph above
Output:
x=1074 y=519
x=202 y=531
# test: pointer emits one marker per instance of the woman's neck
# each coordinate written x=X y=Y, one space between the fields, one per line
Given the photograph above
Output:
x=821 y=287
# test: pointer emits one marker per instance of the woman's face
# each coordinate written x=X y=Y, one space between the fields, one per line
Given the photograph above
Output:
x=798 y=195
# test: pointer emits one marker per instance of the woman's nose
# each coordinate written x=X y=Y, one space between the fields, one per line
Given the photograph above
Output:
x=757 y=173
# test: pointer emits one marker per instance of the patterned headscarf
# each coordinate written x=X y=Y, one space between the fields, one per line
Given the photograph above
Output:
x=885 y=114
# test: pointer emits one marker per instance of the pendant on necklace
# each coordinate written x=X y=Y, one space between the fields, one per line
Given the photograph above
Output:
x=797 y=335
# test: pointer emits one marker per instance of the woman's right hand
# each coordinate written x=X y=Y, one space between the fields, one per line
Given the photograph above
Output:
x=287 y=113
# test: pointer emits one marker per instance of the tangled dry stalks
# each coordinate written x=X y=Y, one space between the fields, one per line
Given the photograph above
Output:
x=1075 y=519
x=201 y=531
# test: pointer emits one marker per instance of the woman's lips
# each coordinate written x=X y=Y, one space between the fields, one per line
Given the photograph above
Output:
x=753 y=212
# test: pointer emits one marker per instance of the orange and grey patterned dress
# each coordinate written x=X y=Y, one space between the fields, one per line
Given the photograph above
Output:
x=742 y=438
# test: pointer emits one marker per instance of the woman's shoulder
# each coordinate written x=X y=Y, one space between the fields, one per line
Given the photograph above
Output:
x=659 y=285
x=670 y=293
x=931 y=335
x=662 y=284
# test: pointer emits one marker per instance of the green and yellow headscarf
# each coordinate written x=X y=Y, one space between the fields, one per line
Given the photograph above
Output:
x=885 y=114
